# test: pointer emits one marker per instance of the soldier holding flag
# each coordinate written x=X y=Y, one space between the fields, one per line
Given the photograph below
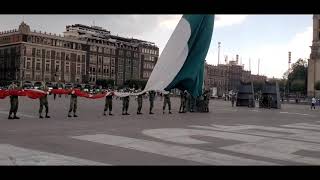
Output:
x=44 y=100
x=14 y=102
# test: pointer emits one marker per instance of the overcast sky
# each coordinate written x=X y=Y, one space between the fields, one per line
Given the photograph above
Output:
x=268 y=37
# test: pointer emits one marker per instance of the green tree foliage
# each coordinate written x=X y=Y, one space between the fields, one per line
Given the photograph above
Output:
x=296 y=78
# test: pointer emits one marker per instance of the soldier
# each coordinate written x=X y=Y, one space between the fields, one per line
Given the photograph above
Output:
x=55 y=95
x=187 y=101
x=73 y=103
x=206 y=99
x=14 y=102
x=192 y=103
x=167 y=101
x=151 y=99
x=269 y=101
x=125 y=105
x=140 y=100
x=108 y=103
x=44 y=101
x=182 y=102
x=233 y=99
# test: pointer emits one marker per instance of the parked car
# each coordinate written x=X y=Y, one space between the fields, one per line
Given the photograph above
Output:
x=68 y=85
x=27 y=85
x=37 y=85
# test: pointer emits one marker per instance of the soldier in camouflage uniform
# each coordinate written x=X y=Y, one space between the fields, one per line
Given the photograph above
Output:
x=44 y=101
x=140 y=100
x=166 y=101
x=14 y=102
x=182 y=102
x=108 y=104
x=151 y=99
x=125 y=105
x=73 y=104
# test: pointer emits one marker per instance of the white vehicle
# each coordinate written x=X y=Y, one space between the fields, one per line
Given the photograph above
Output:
x=214 y=93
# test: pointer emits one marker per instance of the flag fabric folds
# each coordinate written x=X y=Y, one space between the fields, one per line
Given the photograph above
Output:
x=181 y=64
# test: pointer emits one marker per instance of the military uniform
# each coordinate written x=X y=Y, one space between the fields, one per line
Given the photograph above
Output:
x=44 y=102
x=206 y=101
x=151 y=99
x=233 y=99
x=125 y=105
x=182 y=102
x=73 y=104
x=140 y=100
x=14 y=103
x=167 y=101
x=108 y=104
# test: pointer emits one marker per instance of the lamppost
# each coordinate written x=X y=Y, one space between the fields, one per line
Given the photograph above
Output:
x=219 y=52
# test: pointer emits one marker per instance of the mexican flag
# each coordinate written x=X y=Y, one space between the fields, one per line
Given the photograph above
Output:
x=181 y=64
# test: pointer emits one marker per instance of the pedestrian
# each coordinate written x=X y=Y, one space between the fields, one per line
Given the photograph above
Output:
x=313 y=103
x=167 y=101
x=140 y=100
x=206 y=99
x=73 y=103
x=14 y=102
x=44 y=101
x=108 y=104
x=152 y=95
x=182 y=102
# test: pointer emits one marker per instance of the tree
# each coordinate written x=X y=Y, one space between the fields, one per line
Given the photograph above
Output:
x=296 y=78
x=297 y=85
x=317 y=85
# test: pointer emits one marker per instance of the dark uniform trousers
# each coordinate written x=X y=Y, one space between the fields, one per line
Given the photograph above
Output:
x=73 y=104
x=151 y=104
x=14 y=102
x=165 y=102
x=139 y=103
x=44 y=102
x=182 y=104
x=125 y=104
x=108 y=104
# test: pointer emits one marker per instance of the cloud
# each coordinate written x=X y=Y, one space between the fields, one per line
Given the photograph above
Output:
x=229 y=20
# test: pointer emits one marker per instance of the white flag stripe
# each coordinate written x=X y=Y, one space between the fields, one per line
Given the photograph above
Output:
x=172 y=58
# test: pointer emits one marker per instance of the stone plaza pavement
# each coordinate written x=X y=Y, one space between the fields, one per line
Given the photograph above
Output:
x=224 y=136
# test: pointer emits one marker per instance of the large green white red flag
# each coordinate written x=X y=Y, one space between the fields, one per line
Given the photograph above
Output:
x=181 y=63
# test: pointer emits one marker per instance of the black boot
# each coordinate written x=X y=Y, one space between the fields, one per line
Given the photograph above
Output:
x=170 y=112
x=40 y=116
x=47 y=116
x=9 y=117
x=110 y=114
x=75 y=115
x=16 y=117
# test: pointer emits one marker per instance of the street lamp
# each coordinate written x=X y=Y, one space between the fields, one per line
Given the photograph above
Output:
x=219 y=52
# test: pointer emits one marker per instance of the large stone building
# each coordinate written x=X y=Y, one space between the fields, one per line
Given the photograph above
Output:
x=82 y=55
x=314 y=61
x=226 y=77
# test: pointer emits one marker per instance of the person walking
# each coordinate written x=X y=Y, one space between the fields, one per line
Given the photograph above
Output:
x=313 y=103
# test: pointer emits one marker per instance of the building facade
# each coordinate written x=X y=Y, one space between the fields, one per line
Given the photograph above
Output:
x=314 y=61
x=226 y=77
x=82 y=55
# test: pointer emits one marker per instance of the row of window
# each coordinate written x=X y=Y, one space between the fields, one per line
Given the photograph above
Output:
x=148 y=65
x=149 y=51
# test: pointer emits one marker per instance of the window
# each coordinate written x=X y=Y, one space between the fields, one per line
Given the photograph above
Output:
x=67 y=69
x=38 y=66
x=38 y=52
x=67 y=57
x=113 y=51
x=108 y=71
x=28 y=65
x=90 y=69
x=128 y=53
x=104 y=71
x=78 y=58
x=48 y=55
x=136 y=55
x=99 y=70
x=121 y=52
x=47 y=67
x=112 y=61
x=107 y=51
x=57 y=68
x=78 y=70
x=94 y=70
